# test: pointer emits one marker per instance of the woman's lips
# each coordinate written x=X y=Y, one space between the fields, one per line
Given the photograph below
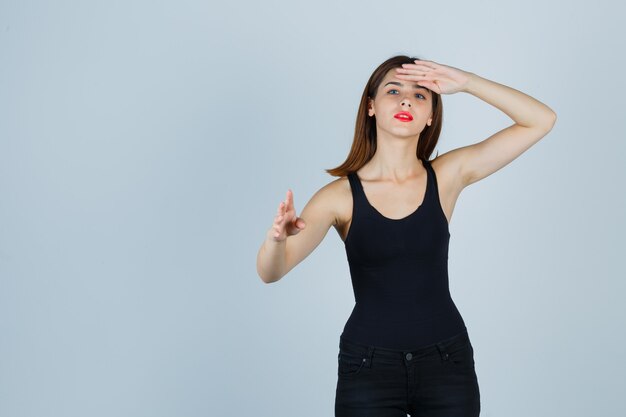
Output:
x=403 y=116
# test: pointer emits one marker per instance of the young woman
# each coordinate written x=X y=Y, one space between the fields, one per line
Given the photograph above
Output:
x=405 y=348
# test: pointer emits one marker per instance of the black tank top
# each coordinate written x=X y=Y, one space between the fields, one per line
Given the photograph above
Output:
x=399 y=273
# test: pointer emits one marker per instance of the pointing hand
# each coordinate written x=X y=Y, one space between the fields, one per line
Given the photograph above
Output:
x=286 y=223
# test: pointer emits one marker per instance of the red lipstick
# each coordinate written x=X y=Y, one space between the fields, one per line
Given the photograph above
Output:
x=403 y=116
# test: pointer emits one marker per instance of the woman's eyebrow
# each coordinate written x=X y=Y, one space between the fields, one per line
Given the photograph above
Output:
x=401 y=85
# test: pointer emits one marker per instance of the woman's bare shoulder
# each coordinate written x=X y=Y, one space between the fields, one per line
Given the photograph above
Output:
x=447 y=172
x=337 y=195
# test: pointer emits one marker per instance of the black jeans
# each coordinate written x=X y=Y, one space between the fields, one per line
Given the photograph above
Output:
x=437 y=380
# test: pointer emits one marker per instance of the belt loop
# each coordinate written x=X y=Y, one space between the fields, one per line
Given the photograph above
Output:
x=370 y=353
x=442 y=351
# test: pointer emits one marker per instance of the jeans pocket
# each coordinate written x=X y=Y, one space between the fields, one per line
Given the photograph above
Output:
x=462 y=354
x=350 y=364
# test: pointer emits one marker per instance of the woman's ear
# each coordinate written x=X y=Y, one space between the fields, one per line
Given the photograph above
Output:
x=370 y=107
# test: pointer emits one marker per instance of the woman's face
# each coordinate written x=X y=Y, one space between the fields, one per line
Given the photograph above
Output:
x=394 y=96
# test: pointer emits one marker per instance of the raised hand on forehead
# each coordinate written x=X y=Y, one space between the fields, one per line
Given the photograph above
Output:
x=441 y=79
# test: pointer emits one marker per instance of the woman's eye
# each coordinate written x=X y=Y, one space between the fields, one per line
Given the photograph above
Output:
x=418 y=94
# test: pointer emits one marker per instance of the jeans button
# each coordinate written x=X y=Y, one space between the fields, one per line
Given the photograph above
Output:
x=445 y=356
x=408 y=356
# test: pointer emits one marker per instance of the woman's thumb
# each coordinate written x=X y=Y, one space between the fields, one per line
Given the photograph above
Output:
x=300 y=223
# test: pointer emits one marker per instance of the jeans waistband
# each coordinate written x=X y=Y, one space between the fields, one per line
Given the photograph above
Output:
x=368 y=351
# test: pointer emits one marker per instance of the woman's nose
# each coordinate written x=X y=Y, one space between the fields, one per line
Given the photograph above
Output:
x=405 y=102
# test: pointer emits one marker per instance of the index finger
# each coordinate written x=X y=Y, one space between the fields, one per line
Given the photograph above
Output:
x=289 y=198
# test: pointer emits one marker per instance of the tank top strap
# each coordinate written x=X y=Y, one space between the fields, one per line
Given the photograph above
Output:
x=432 y=181
x=359 y=200
x=355 y=185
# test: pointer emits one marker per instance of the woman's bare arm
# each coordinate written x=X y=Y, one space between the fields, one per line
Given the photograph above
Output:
x=533 y=119
x=286 y=244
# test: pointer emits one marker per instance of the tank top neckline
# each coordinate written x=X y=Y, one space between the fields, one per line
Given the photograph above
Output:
x=408 y=216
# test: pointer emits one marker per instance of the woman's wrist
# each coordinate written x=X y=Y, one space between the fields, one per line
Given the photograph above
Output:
x=471 y=83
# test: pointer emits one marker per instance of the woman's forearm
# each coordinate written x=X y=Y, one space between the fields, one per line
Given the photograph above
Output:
x=271 y=259
x=522 y=108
